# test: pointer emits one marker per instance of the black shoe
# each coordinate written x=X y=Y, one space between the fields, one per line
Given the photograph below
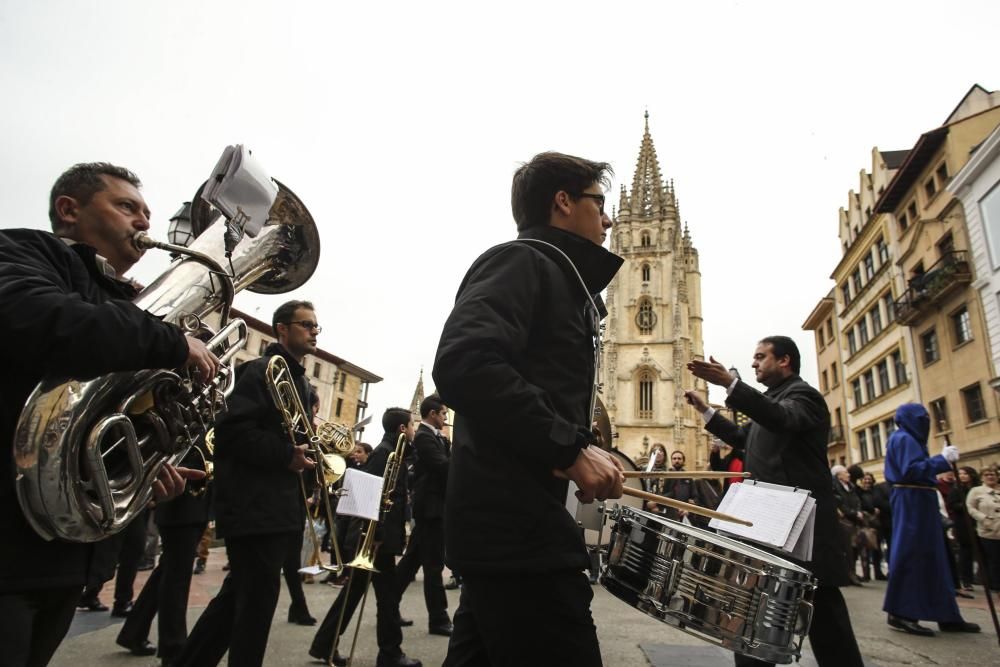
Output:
x=146 y=565
x=443 y=629
x=963 y=594
x=225 y=567
x=199 y=566
x=93 y=604
x=401 y=660
x=121 y=609
x=300 y=617
x=405 y=622
x=881 y=577
x=452 y=584
x=960 y=626
x=337 y=660
x=910 y=626
x=139 y=648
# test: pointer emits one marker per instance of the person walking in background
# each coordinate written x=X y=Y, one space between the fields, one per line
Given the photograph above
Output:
x=983 y=504
x=964 y=529
x=919 y=579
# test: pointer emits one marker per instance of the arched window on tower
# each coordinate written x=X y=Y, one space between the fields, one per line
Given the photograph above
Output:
x=645 y=273
x=645 y=319
x=645 y=398
x=644 y=240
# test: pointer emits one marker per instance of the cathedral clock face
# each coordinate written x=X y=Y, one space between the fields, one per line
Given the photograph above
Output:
x=645 y=319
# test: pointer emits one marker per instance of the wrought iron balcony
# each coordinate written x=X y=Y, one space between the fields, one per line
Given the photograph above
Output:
x=836 y=435
x=948 y=274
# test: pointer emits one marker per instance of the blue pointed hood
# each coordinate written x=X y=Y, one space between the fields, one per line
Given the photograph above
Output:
x=913 y=418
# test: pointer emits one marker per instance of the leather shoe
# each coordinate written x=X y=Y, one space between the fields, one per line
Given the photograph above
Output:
x=92 y=604
x=910 y=626
x=140 y=648
x=963 y=594
x=443 y=629
x=121 y=609
x=337 y=660
x=960 y=626
x=300 y=617
x=199 y=566
x=405 y=622
x=402 y=660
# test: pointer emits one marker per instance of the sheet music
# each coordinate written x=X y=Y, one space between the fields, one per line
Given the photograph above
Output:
x=806 y=523
x=772 y=509
x=311 y=569
x=362 y=495
x=241 y=189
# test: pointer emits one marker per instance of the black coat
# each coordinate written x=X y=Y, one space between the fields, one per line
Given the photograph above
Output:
x=430 y=473
x=60 y=317
x=255 y=492
x=785 y=443
x=516 y=362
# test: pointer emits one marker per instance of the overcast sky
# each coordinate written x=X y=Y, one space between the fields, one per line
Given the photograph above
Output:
x=400 y=124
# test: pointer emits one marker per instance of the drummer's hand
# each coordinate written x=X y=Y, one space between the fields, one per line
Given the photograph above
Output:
x=694 y=399
x=171 y=482
x=711 y=371
x=598 y=474
x=651 y=506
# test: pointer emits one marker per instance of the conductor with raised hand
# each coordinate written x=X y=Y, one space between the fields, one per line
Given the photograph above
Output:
x=785 y=443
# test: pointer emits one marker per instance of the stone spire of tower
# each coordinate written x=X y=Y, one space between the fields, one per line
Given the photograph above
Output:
x=418 y=397
x=647 y=185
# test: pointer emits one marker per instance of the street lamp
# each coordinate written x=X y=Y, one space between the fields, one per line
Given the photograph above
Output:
x=181 y=231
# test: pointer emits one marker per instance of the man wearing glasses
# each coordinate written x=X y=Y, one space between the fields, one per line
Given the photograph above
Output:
x=258 y=499
x=516 y=361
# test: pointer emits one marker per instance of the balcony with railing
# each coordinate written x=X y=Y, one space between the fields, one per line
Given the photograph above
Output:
x=950 y=273
x=836 y=435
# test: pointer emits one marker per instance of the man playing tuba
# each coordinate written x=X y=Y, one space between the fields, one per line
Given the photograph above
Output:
x=66 y=311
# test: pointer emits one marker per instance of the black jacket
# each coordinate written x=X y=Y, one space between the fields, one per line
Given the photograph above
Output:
x=60 y=317
x=430 y=473
x=516 y=362
x=786 y=444
x=255 y=492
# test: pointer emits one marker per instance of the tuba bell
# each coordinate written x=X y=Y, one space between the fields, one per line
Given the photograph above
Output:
x=88 y=451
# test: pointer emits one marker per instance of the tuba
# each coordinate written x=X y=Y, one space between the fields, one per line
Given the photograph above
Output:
x=88 y=451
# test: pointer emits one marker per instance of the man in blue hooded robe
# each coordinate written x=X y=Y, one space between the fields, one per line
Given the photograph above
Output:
x=919 y=583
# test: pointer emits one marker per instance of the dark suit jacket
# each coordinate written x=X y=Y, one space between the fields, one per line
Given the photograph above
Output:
x=430 y=474
x=786 y=444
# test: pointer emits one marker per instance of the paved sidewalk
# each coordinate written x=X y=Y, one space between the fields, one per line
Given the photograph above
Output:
x=628 y=638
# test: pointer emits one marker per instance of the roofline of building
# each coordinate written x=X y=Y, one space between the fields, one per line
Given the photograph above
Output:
x=816 y=317
x=320 y=353
x=912 y=166
x=980 y=159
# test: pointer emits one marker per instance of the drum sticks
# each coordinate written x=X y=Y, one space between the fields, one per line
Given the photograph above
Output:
x=683 y=474
x=687 y=507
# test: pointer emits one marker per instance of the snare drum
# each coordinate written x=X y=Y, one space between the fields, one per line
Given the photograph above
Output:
x=723 y=591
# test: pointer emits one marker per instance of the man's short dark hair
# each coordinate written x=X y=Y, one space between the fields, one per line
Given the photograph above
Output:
x=782 y=346
x=432 y=403
x=536 y=183
x=82 y=181
x=285 y=313
x=393 y=418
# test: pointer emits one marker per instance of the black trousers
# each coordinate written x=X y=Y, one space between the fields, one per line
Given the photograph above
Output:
x=831 y=634
x=290 y=568
x=165 y=594
x=243 y=607
x=34 y=624
x=524 y=620
x=388 y=633
x=426 y=550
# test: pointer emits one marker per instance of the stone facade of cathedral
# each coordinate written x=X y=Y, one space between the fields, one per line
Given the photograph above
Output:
x=654 y=323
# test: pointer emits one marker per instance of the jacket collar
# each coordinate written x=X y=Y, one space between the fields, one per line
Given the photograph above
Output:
x=298 y=370
x=597 y=265
x=779 y=387
x=99 y=267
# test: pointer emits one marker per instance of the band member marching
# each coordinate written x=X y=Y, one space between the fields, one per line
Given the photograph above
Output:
x=259 y=508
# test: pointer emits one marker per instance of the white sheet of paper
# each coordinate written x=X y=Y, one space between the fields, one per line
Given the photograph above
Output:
x=803 y=548
x=773 y=512
x=362 y=495
x=311 y=569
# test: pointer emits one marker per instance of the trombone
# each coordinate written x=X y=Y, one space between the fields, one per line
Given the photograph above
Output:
x=365 y=558
x=329 y=444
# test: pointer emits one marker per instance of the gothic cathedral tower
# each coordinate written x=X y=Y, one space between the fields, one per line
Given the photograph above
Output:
x=654 y=321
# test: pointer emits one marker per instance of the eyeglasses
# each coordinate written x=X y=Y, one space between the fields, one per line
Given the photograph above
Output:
x=598 y=198
x=308 y=326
